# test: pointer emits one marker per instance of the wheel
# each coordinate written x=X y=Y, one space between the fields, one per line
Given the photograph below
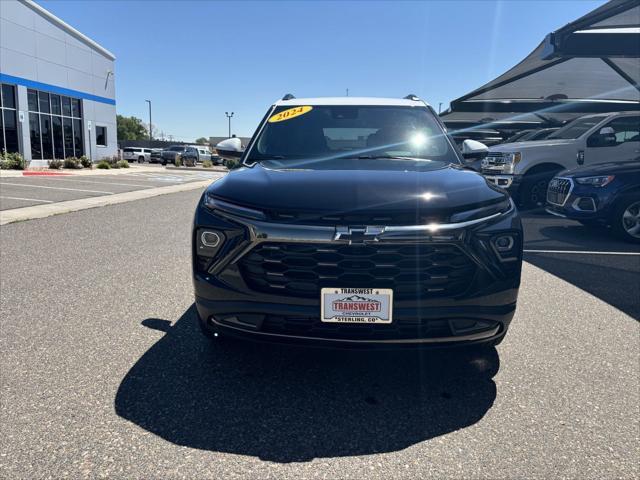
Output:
x=533 y=193
x=626 y=220
x=140 y=159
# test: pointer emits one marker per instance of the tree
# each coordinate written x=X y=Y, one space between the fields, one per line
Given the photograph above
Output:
x=131 y=128
x=201 y=141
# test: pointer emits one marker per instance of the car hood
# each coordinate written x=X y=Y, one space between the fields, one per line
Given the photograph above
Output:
x=609 y=168
x=520 y=146
x=359 y=185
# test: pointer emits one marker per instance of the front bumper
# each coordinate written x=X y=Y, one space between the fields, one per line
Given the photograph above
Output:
x=511 y=183
x=480 y=312
x=581 y=202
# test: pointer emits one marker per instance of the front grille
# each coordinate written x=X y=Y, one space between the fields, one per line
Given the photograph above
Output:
x=355 y=218
x=413 y=271
x=558 y=191
x=493 y=161
x=313 y=327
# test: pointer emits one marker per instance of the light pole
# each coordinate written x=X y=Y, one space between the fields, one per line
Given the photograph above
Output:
x=229 y=115
x=439 y=107
x=150 y=124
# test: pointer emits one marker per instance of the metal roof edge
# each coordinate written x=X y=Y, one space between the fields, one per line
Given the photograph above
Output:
x=68 y=28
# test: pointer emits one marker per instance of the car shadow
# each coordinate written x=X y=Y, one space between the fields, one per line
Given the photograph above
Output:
x=293 y=404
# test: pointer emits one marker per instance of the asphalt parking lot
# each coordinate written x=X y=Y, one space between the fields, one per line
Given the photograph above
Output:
x=104 y=373
x=18 y=192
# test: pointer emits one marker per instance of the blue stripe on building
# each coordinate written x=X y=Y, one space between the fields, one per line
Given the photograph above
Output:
x=4 y=78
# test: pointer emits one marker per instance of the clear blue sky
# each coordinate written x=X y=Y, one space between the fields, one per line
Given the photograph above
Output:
x=197 y=59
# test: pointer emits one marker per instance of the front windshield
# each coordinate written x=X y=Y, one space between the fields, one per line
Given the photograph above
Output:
x=577 y=128
x=317 y=134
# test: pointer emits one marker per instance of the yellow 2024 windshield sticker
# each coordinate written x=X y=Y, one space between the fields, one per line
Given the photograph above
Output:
x=290 y=113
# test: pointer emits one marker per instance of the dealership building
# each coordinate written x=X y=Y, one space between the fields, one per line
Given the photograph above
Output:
x=57 y=85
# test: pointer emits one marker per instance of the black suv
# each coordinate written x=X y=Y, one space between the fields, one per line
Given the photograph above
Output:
x=354 y=222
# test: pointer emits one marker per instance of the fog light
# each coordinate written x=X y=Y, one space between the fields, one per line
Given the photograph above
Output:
x=504 y=243
x=210 y=239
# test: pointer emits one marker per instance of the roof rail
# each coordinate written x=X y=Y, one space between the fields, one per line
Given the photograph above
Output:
x=413 y=97
x=288 y=96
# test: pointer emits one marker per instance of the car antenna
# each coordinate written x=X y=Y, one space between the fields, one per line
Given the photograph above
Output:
x=288 y=96
x=413 y=97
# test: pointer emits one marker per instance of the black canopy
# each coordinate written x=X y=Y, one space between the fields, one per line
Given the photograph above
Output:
x=590 y=65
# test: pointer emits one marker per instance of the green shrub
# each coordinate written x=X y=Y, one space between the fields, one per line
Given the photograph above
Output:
x=11 y=161
x=103 y=165
x=55 y=164
x=233 y=164
x=178 y=160
x=122 y=164
x=207 y=164
x=72 y=162
x=85 y=162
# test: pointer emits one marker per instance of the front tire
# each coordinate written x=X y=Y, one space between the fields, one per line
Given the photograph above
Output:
x=626 y=220
x=533 y=193
x=140 y=159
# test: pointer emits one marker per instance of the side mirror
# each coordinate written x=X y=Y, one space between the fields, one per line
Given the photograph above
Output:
x=606 y=131
x=606 y=137
x=230 y=149
x=473 y=150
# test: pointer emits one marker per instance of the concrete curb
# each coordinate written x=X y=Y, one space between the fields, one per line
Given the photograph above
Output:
x=199 y=169
x=43 y=211
x=93 y=171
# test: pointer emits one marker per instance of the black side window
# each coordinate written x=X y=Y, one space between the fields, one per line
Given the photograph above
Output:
x=625 y=129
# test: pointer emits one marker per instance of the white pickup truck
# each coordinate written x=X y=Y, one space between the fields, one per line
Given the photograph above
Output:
x=525 y=168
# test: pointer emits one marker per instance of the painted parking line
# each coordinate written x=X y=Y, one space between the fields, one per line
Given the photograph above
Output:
x=27 y=199
x=583 y=252
x=103 y=183
x=57 y=188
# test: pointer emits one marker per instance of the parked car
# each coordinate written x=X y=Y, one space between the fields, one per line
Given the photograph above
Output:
x=354 y=222
x=517 y=136
x=487 y=136
x=532 y=135
x=602 y=194
x=217 y=160
x=156 y=155
x=195 y=154
x=138 y=154
x=168 y=155
x=525 y=168
x=540 y=134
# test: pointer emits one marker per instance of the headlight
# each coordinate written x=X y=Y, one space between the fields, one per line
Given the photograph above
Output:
x=216 y=204
x=599 y=181
x=510 y=161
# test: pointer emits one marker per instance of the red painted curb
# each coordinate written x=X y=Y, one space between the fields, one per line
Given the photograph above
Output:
x=27 y=174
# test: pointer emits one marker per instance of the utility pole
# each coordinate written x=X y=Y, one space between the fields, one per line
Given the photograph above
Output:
x=150 y=124
x=229 y=118
x=347 y=92
x=439 y=108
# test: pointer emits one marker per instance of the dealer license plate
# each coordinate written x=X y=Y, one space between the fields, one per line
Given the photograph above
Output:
x=356 y=305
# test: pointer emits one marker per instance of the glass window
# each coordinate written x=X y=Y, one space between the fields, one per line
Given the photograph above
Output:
x=55 y=104
x=101 y=136
x=78 y=148
x=67 y=131
x=44 y=102
x=10 y=130
x=8 y=96
x=66 y=106
x=1 y=136
x=58 y=138
x=32 y=95
x=75 y=108
x=47 y=137
x=577 y=128
x=34 y=129
x=627 y=129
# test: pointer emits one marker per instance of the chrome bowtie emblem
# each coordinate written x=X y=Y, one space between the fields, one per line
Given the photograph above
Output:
x=358 y=235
